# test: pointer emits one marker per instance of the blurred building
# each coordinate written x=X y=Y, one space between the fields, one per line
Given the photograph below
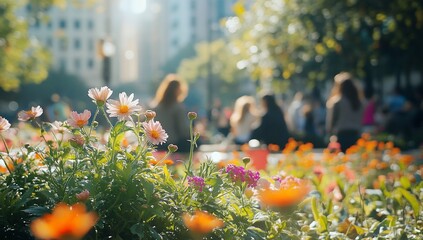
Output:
x=72 y=34
x=124 y=41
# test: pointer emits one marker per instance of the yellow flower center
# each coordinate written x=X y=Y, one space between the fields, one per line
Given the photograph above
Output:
x=155 y=134
x=124 y=109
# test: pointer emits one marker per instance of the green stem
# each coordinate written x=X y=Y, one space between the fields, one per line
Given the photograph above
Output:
x=105 y=116
x=94 y=118
x=191 y=150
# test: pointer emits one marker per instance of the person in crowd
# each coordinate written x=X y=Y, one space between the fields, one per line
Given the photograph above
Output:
x=243 y=119
x=369 y=113
x=171 y=112
x=295 y=116
x=344 y=111
x=272 y=128
x=59 y=110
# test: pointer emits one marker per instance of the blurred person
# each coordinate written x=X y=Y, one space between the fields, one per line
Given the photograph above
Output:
x=243 y=120
x=58 y=110
x=344 y=111
x=171 y=112
x=272 y=128
x=395 y=101
x=369 y=113
x=295 y=116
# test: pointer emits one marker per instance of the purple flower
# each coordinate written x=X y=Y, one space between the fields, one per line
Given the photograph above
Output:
x=239 y=174
x=196 y=182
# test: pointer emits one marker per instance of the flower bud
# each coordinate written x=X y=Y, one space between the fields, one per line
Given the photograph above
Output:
x=246 y=160
x=77 y=141
x=192 y=115
x=94 y=124
x=196 y=136
x=149 y=115
x=83 y=196
x=172 y=148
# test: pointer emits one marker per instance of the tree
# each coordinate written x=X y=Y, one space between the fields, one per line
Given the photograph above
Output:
x=218 y=68
x=314 y=39
x=22 y=59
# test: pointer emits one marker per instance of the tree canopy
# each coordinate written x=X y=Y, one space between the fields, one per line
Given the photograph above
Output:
x=314 y=39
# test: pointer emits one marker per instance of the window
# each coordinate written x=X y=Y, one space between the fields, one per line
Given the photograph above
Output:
x=76 y=43
x=63 y=64
x=90 y=24
x=175 y=24
x=90 y=45
x=77 y=63
x=62 y=24
x=77 y=24
x=49 y=42
x=63 y=44
x=193 y=21
x=90 y=63
x=175 y=42
x=36 y=23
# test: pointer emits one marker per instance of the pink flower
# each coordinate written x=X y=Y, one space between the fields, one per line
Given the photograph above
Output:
x=30 y=114
x=154 y=132
x=124 y=108
x=78 y=120
x=239 y=174
x=4 y=124
x=100 y=96
x=83 y=196
x=196 y=182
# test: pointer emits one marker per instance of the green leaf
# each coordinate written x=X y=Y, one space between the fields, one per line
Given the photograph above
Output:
x=36 y=210
x=405 y=182
x=255 y=233
x=314 y=208
x=359 y=230
x=412 y=200
x=148 y=189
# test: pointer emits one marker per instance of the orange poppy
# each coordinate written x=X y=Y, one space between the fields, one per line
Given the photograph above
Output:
x=406 y=159
x=65 y=222
x=201 y=222
x=168 y=162
x=285 y=196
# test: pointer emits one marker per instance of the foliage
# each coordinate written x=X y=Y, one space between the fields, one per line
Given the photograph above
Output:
x=138 y=194
x=313 y=40
x=22 y=59
x=222 y=63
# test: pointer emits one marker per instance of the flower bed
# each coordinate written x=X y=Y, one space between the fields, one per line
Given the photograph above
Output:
x=72 y=182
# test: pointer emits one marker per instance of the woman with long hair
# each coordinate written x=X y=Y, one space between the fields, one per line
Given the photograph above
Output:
x=243 y=119
x=272 y=128
x=344 y=111
x=171 y=112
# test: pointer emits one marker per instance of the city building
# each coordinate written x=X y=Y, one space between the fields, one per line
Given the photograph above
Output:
x=124 y=41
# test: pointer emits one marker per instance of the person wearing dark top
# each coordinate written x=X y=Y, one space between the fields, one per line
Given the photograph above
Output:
x=272 y=129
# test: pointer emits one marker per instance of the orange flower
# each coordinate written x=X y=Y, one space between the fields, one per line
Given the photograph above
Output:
x=273 y=147
x=406 y=159
x=373 y=163
x=201 y=222
x=168 y=162
x=289 y=194
x=389 y=145
x=153 y=161
x=361 y=142
x=371 y=146
x=65 y=222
